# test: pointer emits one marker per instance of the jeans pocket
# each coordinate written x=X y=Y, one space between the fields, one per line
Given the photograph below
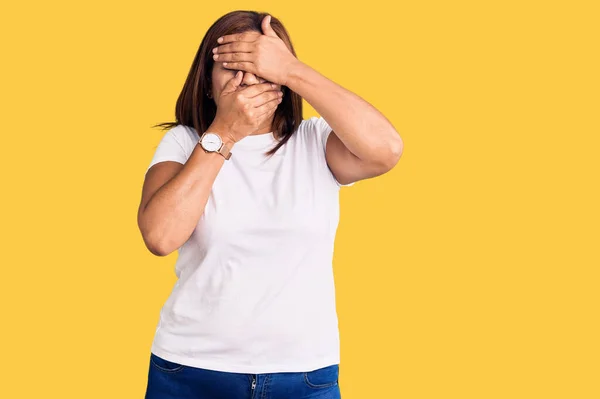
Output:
x=322 y=378
x=164 y=364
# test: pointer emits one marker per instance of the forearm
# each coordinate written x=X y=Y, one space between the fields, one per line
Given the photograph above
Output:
x=365 y=131
x=173 y=212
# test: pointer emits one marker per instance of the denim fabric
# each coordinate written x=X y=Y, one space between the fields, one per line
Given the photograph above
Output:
x=168 y=380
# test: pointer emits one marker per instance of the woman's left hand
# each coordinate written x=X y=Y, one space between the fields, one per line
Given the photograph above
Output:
x=264 y=55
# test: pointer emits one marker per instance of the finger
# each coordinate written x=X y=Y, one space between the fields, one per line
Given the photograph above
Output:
x=233 y=83
x=265 y=97
x=266 y=27
x=254 y=90
x=270 y=106
x=277 y=86
x=235 y=47
x=267 y=115
x=248 y=36
x=241 y=57
x=242 y=66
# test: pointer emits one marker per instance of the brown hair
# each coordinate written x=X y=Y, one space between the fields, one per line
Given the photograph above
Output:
x=195 y=109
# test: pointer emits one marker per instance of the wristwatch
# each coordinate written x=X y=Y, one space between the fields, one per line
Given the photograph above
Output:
x=212 y=142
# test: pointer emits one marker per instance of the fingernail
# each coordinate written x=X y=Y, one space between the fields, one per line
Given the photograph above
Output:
x=215 y=56
x=215 y=50
x=220 y=39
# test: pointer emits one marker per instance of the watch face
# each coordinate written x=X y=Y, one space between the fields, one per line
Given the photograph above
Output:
x=211 y=142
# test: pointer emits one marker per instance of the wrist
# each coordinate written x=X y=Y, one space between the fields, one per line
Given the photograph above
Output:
x=294 y=72
x=227 y=141
x=223 y=132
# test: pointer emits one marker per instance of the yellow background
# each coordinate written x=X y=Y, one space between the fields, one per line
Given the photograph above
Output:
x=469 y=271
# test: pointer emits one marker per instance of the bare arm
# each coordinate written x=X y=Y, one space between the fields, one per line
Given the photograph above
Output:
x=364 y=143
x=174 y=197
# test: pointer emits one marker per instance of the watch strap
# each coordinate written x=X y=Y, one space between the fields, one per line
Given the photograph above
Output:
x=224 y=150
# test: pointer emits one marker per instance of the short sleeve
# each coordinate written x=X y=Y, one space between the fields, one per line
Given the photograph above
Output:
x=172 y=147
x=323 y=130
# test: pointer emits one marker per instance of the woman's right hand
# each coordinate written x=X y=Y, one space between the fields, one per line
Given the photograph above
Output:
x=240 y=112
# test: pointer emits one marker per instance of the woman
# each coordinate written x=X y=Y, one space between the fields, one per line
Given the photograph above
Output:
x=247 y=191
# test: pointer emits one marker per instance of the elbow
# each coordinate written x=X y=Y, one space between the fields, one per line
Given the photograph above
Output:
x=158 y=251
x=397 y=148
x=161 y=248
x=160 y=241
x=155 y=245
x=154 y=238
x=393 y=153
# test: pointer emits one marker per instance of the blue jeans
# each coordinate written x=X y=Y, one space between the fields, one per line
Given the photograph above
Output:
x=168 y=380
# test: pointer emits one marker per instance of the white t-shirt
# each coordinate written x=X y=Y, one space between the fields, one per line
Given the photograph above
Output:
x=255 y=290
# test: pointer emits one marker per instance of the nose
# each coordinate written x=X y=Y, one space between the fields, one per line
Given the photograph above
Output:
x=251 y=79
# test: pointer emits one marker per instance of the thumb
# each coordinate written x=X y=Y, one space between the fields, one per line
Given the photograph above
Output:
x=234 y=82
x=266 y=27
